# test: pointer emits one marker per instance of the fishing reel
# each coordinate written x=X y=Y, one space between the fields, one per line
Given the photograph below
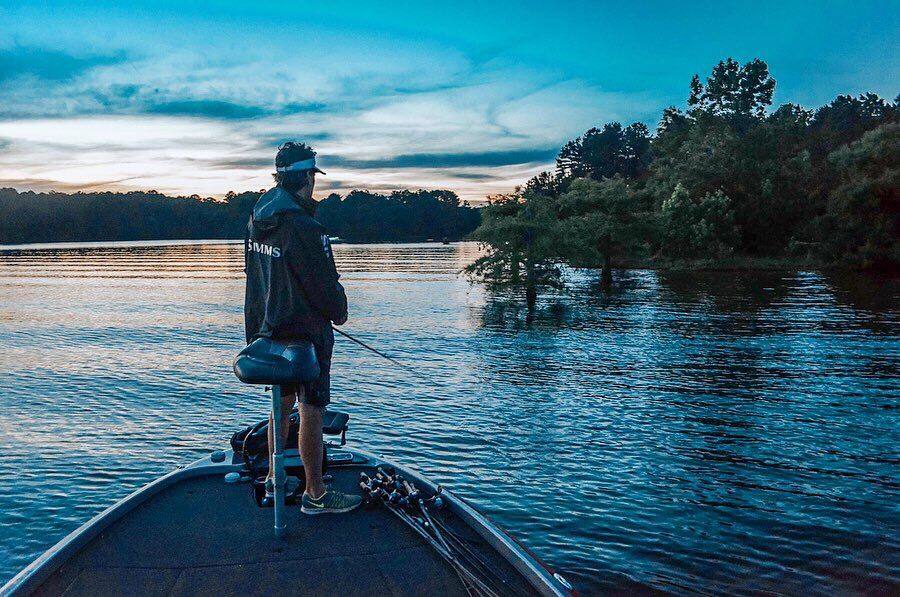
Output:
x=417 y=510
x=389 y=487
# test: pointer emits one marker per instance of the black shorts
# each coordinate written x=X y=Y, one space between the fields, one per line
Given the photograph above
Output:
x=317 y=392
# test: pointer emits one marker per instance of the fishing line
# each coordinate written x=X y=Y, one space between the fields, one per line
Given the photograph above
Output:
x=381 y=354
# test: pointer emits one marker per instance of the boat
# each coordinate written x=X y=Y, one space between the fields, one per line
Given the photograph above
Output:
x=206 y=528
x=199 y=530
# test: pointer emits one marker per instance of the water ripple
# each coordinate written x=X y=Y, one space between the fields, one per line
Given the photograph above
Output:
x=688 y=432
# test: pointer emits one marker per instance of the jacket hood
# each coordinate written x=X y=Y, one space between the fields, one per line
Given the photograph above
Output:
x=272 y=203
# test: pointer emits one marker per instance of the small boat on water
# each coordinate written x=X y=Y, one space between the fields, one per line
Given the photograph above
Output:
x=207 y=529
x=202 y=530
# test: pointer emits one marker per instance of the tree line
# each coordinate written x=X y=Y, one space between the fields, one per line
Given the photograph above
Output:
x=361 y=216
x=725 y=180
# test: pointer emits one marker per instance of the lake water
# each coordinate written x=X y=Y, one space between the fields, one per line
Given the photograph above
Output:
x=711 y=432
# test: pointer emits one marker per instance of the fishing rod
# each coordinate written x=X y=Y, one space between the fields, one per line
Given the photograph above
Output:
x=409 y=504
x=379 y=353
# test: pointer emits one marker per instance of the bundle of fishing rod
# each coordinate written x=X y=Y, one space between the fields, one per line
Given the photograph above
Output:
x=418 y=511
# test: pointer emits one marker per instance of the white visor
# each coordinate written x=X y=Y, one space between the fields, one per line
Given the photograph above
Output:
x=309 y=164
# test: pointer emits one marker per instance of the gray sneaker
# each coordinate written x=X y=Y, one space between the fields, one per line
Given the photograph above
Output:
x=330 y=502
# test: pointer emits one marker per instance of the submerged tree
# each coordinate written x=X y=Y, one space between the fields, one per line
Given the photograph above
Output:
x=601 y=221
x=519 y=233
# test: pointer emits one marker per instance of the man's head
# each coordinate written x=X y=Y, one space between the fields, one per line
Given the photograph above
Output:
x=295 y=169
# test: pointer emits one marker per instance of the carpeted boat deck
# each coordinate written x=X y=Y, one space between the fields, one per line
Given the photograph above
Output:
x=203 y=536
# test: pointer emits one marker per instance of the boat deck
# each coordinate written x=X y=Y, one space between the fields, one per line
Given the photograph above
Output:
x=203 y=536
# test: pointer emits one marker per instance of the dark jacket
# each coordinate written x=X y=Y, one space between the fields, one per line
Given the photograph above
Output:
x=293 y=292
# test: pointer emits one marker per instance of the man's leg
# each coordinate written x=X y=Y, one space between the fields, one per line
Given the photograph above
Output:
x=316 y=499
x=287 y=405
x=311 y=446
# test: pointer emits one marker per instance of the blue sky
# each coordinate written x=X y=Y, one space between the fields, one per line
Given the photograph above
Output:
x=472 y=96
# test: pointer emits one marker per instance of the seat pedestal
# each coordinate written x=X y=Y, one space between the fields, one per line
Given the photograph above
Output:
x=278 y=463
x=267 y=361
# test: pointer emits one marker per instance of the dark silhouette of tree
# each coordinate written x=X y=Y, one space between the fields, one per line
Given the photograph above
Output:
x=519 y=233
x=724 y=179
x=740 y=94
x=545 y=183
x=27 y=217
x=604 y=153
x=363 y=216
x=845 y=119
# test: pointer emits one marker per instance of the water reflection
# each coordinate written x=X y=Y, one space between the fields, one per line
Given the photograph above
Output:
x=720 y=431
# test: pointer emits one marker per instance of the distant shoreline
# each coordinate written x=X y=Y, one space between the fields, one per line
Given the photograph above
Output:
x=734 y=263
x=99 y=244
x=118 y=243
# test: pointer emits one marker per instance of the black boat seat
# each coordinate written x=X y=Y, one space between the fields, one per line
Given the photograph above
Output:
x=266 y=361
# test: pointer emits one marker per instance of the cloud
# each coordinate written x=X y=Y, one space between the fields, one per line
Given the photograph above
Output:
x=447 y=160
x=47 y=64
x=46 y=185
x=208 y=109
x=227 y=110
x=302 y=107
x=204 y=118
x=247 y=163
x=477 y=176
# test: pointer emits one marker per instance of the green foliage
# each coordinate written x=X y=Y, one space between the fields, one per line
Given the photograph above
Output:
x=698 y=228
x=844 y=120
x=600 y=221
x=725 y=179
x=545 y=183
x=863 y=210
x=520 y=237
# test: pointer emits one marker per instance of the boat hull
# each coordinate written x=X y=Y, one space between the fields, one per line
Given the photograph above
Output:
x=190 y=531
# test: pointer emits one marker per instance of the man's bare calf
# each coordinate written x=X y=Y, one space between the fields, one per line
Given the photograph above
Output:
x=309 y=440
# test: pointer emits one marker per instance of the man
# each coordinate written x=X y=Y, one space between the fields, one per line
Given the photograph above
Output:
x=293 y=293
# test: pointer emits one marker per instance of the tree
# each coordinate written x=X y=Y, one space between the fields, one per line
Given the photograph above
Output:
x=361 y=216
x=740 y=94
x=545 y=183
x=725 y=143
x=519 y=234
x=671 y=132
x=600 y=222
x=845 y=119
x=726 y=176
x=698 y=228
x=862 y=223
x=603 y=153
x=637 y=155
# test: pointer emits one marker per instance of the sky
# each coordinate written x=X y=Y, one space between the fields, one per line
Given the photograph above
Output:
x=476 y=97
